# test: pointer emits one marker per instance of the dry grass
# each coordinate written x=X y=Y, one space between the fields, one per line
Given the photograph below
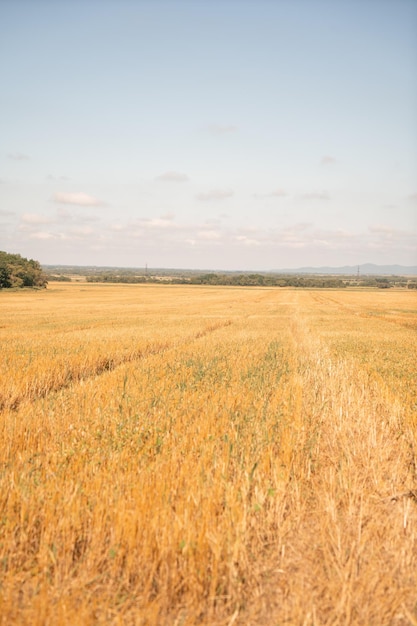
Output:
x=179 y=456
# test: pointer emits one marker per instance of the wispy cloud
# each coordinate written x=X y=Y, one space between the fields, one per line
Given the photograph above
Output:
x=18 y=156
x=44 y=235
x=388 y=239
x=158 y=222
x=328 y=160
x=214 y=195
x=298 y=236
x=390 y=233
x=247 y=241
x=164 y=233
x=80 y=199
x=142 y=225
x=294 y=236
x=299 y=227
x=222 y=129
x=172 y=177
x=33 y=219
x=31 y=223
x=380 y=229
x=6 y=213
x=209 y=235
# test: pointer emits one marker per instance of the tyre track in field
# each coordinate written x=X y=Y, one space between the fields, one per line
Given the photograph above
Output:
x=326 y=300
x=352 y=490
x=102 y=366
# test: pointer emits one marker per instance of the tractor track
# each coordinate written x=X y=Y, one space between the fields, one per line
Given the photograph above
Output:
x=102 y=366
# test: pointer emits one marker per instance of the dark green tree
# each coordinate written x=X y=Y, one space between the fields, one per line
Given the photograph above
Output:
x=16 y=271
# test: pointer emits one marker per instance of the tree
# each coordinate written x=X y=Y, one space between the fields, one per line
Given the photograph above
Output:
x=16 y=271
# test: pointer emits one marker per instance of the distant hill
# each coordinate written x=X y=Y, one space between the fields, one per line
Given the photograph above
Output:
x=366 y=269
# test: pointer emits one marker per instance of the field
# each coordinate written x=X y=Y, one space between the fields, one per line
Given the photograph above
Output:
x=203 y=455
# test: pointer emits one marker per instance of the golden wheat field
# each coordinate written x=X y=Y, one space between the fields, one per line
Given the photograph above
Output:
x=176 y=455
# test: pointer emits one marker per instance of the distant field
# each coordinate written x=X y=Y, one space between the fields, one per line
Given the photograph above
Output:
x=206 y=455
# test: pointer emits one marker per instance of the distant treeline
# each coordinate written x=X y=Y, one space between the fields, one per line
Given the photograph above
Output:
x=266 y=280
x=61 y=278
x=256 y=280
x=238 y=279
x=16 y=271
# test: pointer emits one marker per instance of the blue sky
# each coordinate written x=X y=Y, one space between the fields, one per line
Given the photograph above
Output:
x=221 y=134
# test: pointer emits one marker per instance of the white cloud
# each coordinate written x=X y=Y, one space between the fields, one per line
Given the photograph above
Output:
x=80 y=199
x=147 y=228
x=384 y=230
x=166 y=234
x=117 y=228
x=341 y=234
x=6 y=213
x=209 y=235
x=18 y=156
x=159 y=223
x=389 y=240
x=162 y=222
x=214 y=195
x=299 y=227
x=304 y=235
x=172 y=177
x=290 y=238
x=44 y=235
x=294 y=234
x=247 y=241
x=328 y=160
x=389 y=234
x=35 y=219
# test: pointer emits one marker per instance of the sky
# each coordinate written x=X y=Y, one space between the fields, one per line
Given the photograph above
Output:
x=209 y=134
